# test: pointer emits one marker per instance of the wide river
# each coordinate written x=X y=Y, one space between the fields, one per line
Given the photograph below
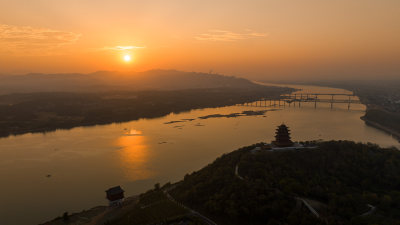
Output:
x=44 y=175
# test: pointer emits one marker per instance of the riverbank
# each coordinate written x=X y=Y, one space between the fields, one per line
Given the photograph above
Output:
x=96 y=215
x=387 y=130
x=86 y=217
x=382 y=111
x=44 y=112
x=155 y=206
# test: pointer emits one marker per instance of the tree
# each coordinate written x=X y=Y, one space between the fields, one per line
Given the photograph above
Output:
x=65 y=216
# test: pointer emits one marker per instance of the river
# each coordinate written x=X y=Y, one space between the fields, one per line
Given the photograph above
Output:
x=45 y=175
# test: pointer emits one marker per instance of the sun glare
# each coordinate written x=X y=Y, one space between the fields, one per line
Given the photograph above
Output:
x=127 y=58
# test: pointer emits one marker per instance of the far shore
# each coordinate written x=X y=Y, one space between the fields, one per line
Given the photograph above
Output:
x=392 y=132
x=376 y=125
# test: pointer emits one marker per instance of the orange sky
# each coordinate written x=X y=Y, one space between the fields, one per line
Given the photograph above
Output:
x=271 y=39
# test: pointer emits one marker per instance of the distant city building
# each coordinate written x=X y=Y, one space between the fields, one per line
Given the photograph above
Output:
x=282 y=137
x=115 y=195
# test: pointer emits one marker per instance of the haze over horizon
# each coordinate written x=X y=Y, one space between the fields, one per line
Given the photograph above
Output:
x=239 y=112
x=272 y=40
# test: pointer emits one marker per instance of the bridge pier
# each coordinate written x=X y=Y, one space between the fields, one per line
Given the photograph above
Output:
x=294 y=100
x=348 y=106
x=315 y=98
x=301 y=98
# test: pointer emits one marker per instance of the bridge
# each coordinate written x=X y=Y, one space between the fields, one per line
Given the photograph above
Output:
x=298 y=98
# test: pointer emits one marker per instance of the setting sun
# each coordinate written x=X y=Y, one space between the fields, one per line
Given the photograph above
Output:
x=249 y=111
x=127 y=58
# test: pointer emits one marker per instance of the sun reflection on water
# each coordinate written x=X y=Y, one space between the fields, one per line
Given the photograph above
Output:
x=134 y=156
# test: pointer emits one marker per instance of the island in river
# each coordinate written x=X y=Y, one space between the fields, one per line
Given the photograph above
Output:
x=231 y=115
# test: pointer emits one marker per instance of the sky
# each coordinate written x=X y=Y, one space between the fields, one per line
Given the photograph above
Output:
x=257 y=39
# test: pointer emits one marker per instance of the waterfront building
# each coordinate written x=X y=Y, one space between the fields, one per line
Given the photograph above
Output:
x=282 y=137
x=115 y=195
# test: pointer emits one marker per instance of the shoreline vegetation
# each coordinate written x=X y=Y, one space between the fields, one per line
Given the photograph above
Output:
x=336 y=182
x=46 y=112
x=388 y=130
x=381 y=119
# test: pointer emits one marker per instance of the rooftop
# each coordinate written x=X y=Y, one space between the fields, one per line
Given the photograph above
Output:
x=114 y=190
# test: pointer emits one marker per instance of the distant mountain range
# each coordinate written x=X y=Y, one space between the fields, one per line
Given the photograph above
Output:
x=118 y=81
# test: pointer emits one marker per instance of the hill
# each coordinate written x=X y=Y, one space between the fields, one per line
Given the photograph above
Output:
x=118 y=81
x=345 y=182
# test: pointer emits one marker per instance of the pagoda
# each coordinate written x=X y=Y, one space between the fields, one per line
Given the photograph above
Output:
x=282 y=137
x=115 y=195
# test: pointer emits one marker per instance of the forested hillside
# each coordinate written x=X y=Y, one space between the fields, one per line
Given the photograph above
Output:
x=345 y=182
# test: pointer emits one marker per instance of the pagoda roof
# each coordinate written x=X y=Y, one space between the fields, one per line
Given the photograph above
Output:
x=283 y=127
x=114 y=190
x=279 y=130
x=282 y=136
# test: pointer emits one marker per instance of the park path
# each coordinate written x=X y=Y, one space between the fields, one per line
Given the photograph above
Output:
x=205 y=219
x=370 y=211
x=309 y=207
x=114 y=212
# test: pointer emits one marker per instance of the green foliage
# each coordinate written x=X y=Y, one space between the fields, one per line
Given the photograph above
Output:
x=341 y=177
x=155 y=208
x=385 y=118
x=65 y=216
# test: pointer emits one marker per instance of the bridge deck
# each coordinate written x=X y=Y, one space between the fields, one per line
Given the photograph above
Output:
x=292 y=100
x=308 y=97
x=316 y=94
